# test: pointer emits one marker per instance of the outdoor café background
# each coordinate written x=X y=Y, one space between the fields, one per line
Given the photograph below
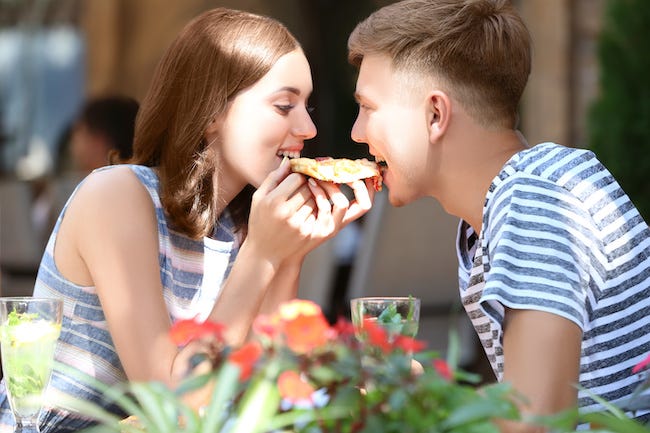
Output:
x=54 y=54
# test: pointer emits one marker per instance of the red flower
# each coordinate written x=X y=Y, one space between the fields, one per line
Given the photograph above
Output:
x=443 y=369
x=292 y=387
x=344 y=327
x=186 y=330
x=641 y=365
x=377 y=335
x=266 y=325
x=245 y=357
x=408 y=344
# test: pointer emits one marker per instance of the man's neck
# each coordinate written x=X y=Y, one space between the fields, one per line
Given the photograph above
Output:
x=480 y=156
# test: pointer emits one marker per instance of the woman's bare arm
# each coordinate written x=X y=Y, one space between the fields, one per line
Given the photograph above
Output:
x=109 y=239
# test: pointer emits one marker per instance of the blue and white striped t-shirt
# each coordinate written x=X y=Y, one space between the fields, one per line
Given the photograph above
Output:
x=192 y=272
x=559 y=235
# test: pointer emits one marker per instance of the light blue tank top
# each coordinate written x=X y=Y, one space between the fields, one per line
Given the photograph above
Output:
x=192 y=273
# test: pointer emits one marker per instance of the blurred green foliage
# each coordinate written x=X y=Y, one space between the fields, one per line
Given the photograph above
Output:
x=619 y=120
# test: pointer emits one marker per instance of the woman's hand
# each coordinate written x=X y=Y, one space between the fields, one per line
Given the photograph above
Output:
x=291 y=216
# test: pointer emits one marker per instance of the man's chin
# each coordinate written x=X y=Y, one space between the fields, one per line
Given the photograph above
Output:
x=395 y=200
x=398 y=197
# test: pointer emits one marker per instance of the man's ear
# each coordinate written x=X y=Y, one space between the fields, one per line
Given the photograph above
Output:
x=438 y=114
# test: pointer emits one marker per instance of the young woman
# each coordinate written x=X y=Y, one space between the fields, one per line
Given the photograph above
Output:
x=205 y=222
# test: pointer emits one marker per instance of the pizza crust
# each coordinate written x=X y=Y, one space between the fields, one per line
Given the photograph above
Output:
x=338 y=170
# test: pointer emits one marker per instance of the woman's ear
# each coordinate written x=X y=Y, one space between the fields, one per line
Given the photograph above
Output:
x=438 y=114
x=212 y=126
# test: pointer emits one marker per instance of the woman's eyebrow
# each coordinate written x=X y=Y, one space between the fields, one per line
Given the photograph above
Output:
x=290 y=89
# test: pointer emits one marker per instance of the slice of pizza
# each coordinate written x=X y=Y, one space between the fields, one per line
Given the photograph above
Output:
x=338 y=170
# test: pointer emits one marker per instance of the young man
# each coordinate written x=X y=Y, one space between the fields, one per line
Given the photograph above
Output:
x=554 y=258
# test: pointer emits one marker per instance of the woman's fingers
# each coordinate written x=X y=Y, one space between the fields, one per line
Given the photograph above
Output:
x=304 y=213
x=341 y=208
x=292 y=214
x=364 y=195
x=275 y=177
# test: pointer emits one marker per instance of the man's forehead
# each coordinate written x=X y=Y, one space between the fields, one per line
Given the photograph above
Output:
x=379 y=79
x=375 y=63
x=374 y=73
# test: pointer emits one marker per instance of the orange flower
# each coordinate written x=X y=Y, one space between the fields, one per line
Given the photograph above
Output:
x=443 y=369
x=298 y=307
x=303 y=324
x=186 y=330
x=293 y=388
x=305 y=333
x=245 y=357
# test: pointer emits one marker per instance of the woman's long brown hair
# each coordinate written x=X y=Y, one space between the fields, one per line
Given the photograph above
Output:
x=217 y=55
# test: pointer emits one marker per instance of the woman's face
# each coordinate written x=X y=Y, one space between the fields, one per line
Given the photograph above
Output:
x=264 y=123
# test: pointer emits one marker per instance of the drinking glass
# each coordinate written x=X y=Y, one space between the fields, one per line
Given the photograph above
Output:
x=29 y=330
x=399 y=315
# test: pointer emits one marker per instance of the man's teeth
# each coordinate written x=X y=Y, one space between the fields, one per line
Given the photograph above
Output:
x=289 y=154
x=380 y=160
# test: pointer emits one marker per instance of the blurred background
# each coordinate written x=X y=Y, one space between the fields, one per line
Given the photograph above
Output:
x=589 y=88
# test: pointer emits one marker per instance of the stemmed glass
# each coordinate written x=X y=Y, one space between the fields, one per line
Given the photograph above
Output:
x=399 y=315
x=29 y=330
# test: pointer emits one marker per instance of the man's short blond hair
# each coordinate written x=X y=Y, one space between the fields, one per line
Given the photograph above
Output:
x=478 y=49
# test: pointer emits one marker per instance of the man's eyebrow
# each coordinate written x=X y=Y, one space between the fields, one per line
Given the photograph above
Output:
x=357 y=96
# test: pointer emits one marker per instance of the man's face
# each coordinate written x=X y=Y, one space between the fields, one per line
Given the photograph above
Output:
x=392 y=121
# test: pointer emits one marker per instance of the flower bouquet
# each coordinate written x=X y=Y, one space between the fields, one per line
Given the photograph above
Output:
x=298 y=373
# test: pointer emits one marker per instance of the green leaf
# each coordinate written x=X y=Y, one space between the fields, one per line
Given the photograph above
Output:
x=607 y=405
x=224 y=392
x=324 y=374
x=613 y=423
x=484 y=409
x=453 y=349
x=389 y=315
x=158 y=404
x=306 y=416
x=259 y=403
x=117 y=394
x=193 y=383
x=91 y=410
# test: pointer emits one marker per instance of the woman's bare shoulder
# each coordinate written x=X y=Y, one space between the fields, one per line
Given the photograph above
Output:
x=116 y=193
x=111 y=211
x=117 y=184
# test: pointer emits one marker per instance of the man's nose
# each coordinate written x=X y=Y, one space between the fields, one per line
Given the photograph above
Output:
x=358 y=132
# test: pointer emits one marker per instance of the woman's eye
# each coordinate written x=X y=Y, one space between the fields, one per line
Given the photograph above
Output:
x=284 y=108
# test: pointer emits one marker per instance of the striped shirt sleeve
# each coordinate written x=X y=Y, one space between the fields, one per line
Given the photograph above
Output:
x=539 y=249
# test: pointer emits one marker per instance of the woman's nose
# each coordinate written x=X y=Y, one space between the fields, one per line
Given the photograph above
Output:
x=305 y=128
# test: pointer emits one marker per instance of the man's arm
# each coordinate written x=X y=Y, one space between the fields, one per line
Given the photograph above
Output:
x=542 y=362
